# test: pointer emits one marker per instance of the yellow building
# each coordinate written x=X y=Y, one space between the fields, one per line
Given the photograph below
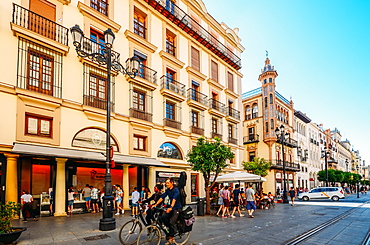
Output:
x=54 y=102
x=265 y=110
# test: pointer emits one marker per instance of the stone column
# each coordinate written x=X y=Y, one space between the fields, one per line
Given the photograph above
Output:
x=60 y=188
x=11 y=184
x=125 y=187
x=151 y=178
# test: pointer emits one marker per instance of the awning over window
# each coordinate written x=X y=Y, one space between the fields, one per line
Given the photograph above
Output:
x=47 y=151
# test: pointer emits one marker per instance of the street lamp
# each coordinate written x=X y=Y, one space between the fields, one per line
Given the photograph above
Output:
x=358 y=193
x=347 y=164
x=111 y=60
x=282 y=136
x=325 y=154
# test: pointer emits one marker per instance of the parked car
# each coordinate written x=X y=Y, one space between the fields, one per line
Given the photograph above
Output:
x=335 y=193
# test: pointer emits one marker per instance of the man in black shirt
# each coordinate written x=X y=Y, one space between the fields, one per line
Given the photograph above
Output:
x=155 y=197
x=292 y=195
x=172 y=213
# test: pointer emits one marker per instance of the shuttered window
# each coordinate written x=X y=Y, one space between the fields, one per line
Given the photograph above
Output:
x=230 y=81
x=195 y=62
x=214 y=71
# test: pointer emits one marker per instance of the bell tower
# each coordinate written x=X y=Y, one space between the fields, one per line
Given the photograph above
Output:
x=267 y=79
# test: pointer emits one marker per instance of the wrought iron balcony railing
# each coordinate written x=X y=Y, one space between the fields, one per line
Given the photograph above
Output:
x=175 y=14
x=147 y=73
x=289 y=142
x=252 y=138
x=196 y=130
x=289 y=165
x=171 y=123
x=139 y=114
x=213 y=134
x=173 y=85
x=233 y=113
x=93 y=101
x=233 y=141
x=217 y=105
x=39 y=24
x=197 y=96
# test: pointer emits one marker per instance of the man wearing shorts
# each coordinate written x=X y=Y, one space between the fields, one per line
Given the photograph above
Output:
x=87 y=195
x=292 y=195
x=135 y=199
x=251 y=200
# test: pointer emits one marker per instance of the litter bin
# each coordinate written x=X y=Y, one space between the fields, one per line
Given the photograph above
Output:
x=200 y=207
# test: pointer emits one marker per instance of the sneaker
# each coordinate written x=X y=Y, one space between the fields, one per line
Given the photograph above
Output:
x=223 y=216
x=242 y=215
x=232 y=216
x=122 y=211
x=117 y=213
x=171 y=240
x=24 y=221
x=267 y=208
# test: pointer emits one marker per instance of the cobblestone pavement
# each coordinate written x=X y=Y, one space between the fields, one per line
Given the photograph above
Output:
x=274 y=226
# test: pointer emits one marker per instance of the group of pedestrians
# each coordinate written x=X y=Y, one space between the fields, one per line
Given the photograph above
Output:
x=235 y=199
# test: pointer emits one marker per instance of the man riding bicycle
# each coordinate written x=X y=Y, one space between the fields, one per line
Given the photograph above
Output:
x=172 y=213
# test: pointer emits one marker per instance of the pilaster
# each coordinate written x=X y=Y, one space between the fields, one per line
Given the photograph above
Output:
x=11 y=184
x=60 y=188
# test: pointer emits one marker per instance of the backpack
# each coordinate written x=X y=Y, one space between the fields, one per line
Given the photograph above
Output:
x=186 y=213
x=186 y=219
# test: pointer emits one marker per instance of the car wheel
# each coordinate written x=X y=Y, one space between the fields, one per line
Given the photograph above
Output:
x=335 y=198
x=305 y=198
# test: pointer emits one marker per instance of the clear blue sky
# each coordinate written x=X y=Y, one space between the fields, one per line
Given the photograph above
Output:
x=320 y=50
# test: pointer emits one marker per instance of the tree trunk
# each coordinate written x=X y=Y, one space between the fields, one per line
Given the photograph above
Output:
x=208 y=200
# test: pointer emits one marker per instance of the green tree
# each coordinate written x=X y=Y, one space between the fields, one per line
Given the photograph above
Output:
x=209 y=158
x=259 y=166
x=347 y=176
x=333 y=176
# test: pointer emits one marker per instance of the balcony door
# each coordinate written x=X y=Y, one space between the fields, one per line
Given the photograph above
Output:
x=42 y=20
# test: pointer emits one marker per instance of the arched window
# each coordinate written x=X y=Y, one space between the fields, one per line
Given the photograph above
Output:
x=169 y=150
x=254 y=110
x=247 y=112
x=93 y=138
x=267 y=127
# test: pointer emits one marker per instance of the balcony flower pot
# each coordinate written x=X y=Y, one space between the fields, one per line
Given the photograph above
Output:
x=8 y=233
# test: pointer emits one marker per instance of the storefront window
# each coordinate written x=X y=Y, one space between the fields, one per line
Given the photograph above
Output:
x=169 y=150
x=95 y=177
x=40 y=178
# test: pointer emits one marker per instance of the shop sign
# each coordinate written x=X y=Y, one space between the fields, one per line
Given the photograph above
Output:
x=168 y=175
x=312 y=179
x=96 y=175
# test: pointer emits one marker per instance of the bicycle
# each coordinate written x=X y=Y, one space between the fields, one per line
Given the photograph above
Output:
x=130 y=231
x=152 y=234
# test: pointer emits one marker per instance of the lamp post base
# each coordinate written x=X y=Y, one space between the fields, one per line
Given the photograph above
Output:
x=285 y=197
x=107 y=224
x=285 y=200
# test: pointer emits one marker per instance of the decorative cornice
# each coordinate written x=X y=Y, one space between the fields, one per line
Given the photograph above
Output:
x=140 y=41
x=98 y=17
x=65 y=2
x=231 y=93
x=213 y=83
x=166 y=56
x=196 y=73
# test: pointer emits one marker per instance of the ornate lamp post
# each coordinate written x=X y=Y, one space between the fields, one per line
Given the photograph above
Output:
x=347 y=165
x=325 y=154
x=282 y=136
x=111 y=60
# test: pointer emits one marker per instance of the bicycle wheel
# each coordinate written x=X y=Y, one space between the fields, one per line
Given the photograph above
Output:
x=150 y=235
x=129 y=232
x=182 y=239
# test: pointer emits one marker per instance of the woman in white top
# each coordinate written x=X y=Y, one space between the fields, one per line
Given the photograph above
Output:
x=70 y=201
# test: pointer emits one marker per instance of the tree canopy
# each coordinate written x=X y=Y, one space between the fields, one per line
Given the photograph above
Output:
x=209 y=158
x=335 y=176
x=259 y=166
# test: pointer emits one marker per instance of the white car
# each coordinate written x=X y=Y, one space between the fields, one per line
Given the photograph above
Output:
x=335 y=193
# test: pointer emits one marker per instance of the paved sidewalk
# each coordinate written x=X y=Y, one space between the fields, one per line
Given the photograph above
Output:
x=84 y=228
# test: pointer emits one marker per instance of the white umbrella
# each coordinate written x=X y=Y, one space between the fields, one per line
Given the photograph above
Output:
x=240 y=176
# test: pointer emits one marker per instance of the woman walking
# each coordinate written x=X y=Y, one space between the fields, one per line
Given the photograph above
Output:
x=220 y=200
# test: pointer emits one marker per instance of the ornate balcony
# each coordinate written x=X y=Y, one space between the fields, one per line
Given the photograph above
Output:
x=176 y=15
x=172 y=123
x=233 y=115
x=142 y=115
x=233 y=141
x=217 y=108
x=39 y=24
x=289 y=142
x=196 y=130
x=197 y=99
x=172 y=88
x=213 y=135
x=252 y=138
x=291 y=166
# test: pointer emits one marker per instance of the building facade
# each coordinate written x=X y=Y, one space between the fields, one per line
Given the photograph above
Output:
x=188 y=85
